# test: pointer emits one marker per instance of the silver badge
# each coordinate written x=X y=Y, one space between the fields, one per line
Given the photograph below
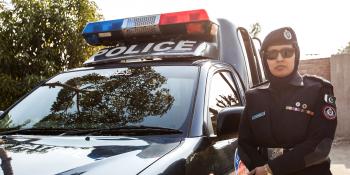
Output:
x=287 y=35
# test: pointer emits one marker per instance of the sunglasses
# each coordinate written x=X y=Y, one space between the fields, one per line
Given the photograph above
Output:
x=285 y=53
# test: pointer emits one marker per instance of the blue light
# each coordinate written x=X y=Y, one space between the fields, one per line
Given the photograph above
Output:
x=103 y=26
x=92 y=39
x=92 y=30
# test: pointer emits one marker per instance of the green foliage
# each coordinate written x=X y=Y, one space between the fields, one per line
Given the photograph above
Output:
x=39 y=38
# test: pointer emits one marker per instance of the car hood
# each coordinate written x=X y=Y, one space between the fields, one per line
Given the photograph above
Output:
x=77 y=155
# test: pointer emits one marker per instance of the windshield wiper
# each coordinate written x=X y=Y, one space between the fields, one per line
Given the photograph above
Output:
x=126 y=130
x=35 y=131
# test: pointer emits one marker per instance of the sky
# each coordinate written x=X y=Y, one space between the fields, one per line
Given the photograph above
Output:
x=322 y=26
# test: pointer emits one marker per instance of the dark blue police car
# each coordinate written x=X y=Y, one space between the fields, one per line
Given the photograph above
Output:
x=164 y=96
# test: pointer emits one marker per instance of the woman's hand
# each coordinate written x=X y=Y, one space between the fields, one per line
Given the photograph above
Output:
x=261 y=170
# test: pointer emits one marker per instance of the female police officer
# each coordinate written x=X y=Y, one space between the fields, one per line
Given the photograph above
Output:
x=288 y=124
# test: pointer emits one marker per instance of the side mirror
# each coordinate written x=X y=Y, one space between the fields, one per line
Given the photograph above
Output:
x=228 y=120
x=1 y=112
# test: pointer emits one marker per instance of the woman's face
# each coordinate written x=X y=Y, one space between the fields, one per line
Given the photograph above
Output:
x=280 y=59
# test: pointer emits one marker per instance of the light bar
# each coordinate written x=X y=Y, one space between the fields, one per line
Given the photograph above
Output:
x=189 y=23
x=183 y=17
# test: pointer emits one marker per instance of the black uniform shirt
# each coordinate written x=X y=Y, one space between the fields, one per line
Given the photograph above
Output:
x=301 y=118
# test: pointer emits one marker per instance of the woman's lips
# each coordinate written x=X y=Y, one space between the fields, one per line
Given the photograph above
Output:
x=280 y=67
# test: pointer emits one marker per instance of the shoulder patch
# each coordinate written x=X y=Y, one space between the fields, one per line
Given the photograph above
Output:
x=330 y=99
x=329 y=112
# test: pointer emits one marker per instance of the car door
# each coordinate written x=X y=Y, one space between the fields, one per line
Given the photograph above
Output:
x=223 y=91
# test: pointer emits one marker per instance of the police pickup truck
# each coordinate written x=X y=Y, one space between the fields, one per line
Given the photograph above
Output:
x=164 y=95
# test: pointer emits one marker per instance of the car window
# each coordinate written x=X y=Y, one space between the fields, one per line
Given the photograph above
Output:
x=222 y=93
x=159 y=96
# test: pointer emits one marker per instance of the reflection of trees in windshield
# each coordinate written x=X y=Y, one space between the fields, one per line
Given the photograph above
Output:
x=227 y=101
x=96 y=101
x=27 y=146
x=6 y=121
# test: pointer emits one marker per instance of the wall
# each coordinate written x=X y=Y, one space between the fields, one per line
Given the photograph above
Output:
x=336 y=69
x=320 y=67
x=340 y=78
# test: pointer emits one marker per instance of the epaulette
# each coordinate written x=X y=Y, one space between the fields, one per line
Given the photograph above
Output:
x=319 y=79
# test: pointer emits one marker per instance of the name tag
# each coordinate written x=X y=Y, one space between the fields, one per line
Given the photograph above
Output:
x=258 y=115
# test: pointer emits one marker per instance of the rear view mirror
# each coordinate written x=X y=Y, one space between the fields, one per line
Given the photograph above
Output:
x=228 y=120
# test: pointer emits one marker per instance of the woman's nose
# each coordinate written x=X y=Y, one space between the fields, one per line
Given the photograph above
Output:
x=279 y=57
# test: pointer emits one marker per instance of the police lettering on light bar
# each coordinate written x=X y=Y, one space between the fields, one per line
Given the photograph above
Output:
x=108 y=33
x=181 y=46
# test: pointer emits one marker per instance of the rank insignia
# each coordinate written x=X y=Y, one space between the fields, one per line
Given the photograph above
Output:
x=304 y=106
x=329 y=99
x=329 y=112
x=290 y=108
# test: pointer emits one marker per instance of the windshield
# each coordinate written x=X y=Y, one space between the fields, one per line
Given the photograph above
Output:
x=159 y=96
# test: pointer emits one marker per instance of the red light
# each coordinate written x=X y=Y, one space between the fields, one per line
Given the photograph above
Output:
x=183 y=17
x=195 y=28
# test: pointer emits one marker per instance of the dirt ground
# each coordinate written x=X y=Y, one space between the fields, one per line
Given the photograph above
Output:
x=340 y=157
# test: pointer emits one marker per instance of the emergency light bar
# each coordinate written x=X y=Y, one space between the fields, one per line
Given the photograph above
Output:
x=190 y=23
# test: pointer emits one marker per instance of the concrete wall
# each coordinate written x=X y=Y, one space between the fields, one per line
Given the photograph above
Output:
x=340 y=78
x=336 y=69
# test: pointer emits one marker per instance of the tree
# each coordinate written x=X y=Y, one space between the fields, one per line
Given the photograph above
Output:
x=255 y=29
x=2 y=4
x=345 y=50
x=39 y=38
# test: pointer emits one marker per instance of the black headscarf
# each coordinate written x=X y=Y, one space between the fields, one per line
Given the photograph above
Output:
x=285 y=35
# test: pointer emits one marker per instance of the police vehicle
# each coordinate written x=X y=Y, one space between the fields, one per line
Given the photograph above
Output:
x=164 y=95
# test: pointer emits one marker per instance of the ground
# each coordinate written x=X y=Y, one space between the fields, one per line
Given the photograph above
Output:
x=340 y=157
